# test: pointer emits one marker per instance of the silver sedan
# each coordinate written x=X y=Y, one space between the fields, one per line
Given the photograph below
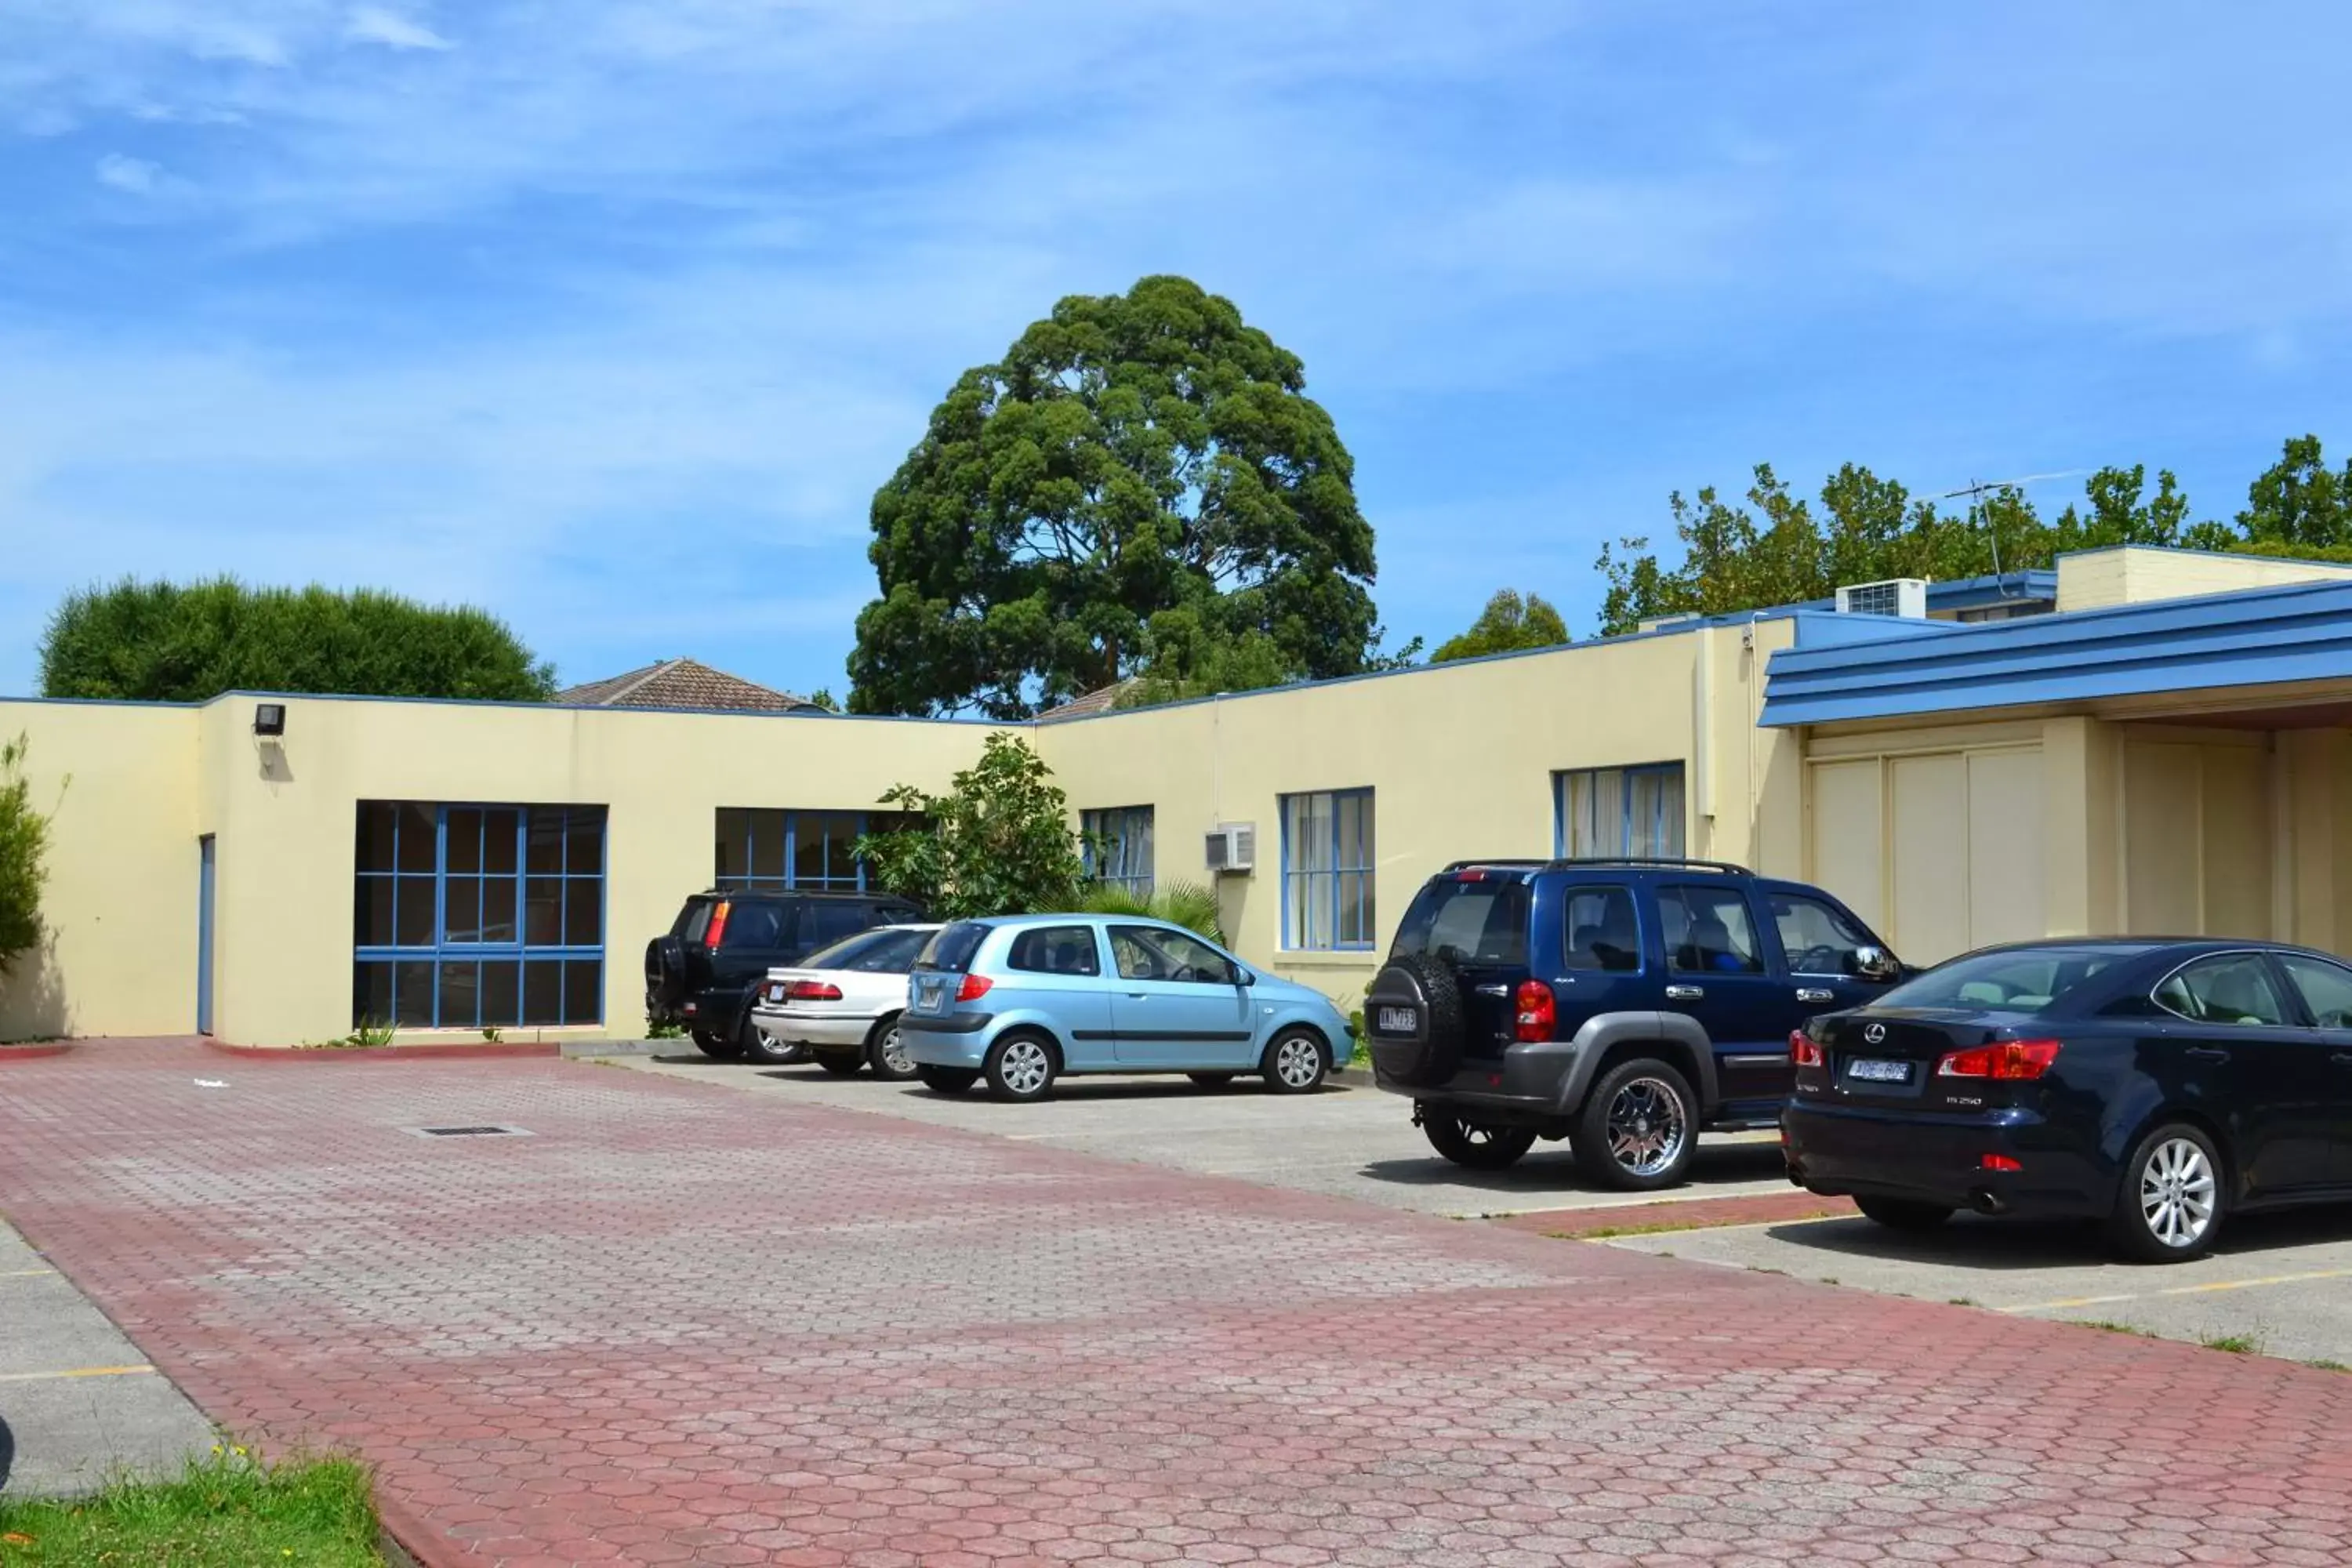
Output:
x=841 y=1002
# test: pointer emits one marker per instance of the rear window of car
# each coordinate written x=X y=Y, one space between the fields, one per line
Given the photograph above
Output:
x=871 y=953
x=1467 y=919
x=692 y=920
x=2031 y=981
x=951 y=948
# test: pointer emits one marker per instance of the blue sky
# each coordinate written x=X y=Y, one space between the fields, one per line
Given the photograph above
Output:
x=610 y=315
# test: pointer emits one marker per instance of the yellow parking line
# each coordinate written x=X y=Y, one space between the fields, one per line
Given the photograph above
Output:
x=76 y=1372
x=23 y=1273
x=2205 y=1287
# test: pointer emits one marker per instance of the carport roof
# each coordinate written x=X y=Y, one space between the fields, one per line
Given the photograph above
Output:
x=1894 y=669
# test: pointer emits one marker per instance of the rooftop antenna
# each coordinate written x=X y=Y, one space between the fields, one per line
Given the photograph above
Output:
x=1976 y=489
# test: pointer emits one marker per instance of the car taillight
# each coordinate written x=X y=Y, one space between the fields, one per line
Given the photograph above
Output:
x=2009 y=1060
x=1803 y=1052
x=1537 y=1011
x=973 y=988
x=2001 y=1163
x=717 y=927
x=816 y=991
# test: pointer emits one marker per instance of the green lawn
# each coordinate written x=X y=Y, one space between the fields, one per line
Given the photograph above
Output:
x=226 y=1512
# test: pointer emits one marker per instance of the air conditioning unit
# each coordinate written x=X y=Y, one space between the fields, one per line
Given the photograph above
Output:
x=1233 y=847
x=1905 y=596
x=1679 y=617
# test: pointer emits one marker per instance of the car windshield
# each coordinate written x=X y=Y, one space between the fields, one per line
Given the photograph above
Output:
x=2027 y=979
x=1467 y=919
x=871 y=953
x=952 y=948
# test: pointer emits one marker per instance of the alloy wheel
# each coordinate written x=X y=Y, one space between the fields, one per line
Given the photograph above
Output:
x=894 y=1055
x=1297 y=1062
x=2176 y=1193
x=1646 y=1127
x=1024 y=1067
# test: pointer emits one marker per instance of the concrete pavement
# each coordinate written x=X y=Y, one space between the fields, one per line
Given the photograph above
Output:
x=1349 y=1140
x=79 y=1402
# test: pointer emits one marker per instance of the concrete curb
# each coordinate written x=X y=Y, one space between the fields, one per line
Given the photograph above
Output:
x=32 y=1053
x=486 y=1049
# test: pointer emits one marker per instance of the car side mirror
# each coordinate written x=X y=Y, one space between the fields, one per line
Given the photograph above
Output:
x=1877 y=966
x=1243 y=977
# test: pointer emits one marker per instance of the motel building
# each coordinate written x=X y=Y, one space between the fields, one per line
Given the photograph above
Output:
x=2142 y=741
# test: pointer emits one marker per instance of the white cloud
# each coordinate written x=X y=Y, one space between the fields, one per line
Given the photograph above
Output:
x=375 y=24
x=139 y=176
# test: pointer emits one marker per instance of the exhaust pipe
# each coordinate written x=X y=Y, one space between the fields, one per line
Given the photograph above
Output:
x=1984 y=1199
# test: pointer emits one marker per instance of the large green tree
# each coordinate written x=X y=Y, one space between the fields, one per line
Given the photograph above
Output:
x=2298 y=503
x=164 y=642
x=1507 y=624
x=1130 y=455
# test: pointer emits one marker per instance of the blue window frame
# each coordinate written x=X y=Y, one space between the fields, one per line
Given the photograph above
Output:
x=761 y=850
x=1327 y=871
x=1117 y=846
x=1598 y=812
x=478 y=916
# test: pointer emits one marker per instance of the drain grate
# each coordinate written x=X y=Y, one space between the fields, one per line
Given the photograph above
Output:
x=486 y=1131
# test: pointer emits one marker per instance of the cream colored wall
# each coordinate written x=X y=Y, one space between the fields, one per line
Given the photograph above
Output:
x=285 y=822
x=1460 y=758
x=1935 y=836
x=2131 y=574
x=121 y=900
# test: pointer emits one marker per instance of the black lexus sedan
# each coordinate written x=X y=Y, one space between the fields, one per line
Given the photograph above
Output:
x=2157 y=1086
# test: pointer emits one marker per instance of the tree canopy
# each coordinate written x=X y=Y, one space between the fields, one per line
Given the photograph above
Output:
x=165 y=642
x=1781 y=548
x=1131 y=455
x=1507 y=624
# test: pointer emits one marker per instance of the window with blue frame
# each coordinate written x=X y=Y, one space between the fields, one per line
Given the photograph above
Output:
x=1327 y=870
x=478 y=916
x=768 y=851
x=1118 y=843
x=1600 y=811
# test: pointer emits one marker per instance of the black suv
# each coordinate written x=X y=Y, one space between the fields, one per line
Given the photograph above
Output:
x=1622 y=1004
x=702 y=974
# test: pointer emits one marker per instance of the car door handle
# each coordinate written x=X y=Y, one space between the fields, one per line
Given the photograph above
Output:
x=1493 y=991
x=1139 y=996
x=1814 y=993
x=2342 y=1059
x=1685 y=993
x=2207 y=1053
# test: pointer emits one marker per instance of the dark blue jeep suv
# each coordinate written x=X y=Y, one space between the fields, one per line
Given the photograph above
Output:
x=1623 y=1005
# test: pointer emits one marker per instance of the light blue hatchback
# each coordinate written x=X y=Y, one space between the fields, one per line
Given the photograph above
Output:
x=1022 y=999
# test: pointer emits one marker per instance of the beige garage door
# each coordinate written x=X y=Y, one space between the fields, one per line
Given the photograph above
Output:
x=1940 y=852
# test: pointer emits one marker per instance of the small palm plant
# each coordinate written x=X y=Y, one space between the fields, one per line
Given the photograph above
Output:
x=1188 y=904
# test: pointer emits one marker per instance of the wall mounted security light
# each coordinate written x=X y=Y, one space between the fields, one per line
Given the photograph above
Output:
x=269 y=719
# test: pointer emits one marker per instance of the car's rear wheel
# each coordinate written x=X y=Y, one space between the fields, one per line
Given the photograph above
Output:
x=1211 y=1080
x=841 y=1064
x=1472 y=1143
x=946 y=1080
x=2171 y=1202
x=1637 y=1128
x=1296 y=1062
x=1902 y=1214
x=885 y=1054
x=1021 y=1067
x=765 y=1048
x=718 y=1047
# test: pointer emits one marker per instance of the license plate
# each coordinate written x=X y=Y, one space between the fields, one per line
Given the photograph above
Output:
x=929 y=993
x=1398 y=1020
x=775 y=993
x=1879 y=1071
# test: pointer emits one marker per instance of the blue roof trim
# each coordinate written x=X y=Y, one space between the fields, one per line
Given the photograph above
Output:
x=2253 y=636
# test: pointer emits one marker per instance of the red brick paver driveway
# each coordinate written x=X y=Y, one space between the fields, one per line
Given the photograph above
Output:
x=680 y=1324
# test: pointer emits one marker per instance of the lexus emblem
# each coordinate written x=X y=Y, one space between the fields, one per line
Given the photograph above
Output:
x=1874 y=1033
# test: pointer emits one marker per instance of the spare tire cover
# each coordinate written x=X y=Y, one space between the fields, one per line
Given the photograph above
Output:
x=1412 y=1018
x=665 y=969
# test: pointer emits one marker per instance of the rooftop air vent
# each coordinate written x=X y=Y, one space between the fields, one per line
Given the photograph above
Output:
x=1904 y=596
